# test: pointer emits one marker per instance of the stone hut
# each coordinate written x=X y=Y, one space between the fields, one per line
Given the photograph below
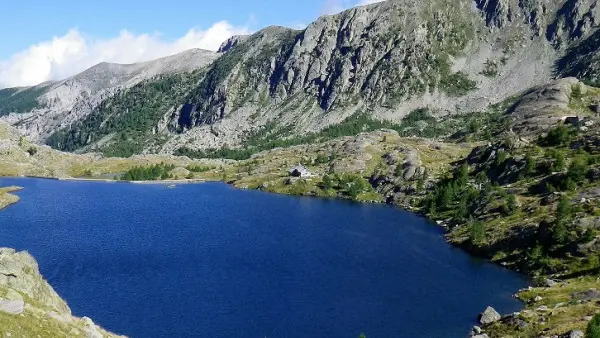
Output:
x=300 y=171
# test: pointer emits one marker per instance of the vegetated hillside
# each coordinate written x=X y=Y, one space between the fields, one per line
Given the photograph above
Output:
x=41 y=110
x=129 y=122
x=385 y=60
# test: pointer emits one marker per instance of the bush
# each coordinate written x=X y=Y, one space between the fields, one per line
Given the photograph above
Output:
x=457 y=84
x=559 y=136
x=530 y=167
x=198 y=168
x=578 y=169
x=593 y=328
x=511 y=205
x=476 y=231
x=151 y=173
x=558 y=161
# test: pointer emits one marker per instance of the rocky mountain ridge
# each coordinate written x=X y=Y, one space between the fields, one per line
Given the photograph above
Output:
x=51 y=106
x=386 y=60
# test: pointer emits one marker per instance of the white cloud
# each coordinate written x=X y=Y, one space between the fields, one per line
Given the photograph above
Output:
x=74 y=52
x=336 y=6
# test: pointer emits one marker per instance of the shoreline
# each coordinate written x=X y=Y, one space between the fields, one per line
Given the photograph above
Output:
x=107 y=180
x=6 y=198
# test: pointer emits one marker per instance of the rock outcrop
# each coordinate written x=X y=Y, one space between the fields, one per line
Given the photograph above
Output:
x=30 y=307
x=545 y=106
x=489 y=316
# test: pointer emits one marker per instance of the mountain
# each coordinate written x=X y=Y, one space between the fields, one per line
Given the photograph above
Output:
x=40 y=110
x=384 y=60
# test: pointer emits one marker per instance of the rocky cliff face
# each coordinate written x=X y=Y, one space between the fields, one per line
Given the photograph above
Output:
x=386 y=59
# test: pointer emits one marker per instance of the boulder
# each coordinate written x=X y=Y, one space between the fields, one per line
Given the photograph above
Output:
x=90 y=329
x=593 y=174
x=591 y=294
x=391 y=158
x=14 y=307
x=515 y=321
x=483 y=335
x=574 y=334
x=179 y=173
x=549 y=283
x=489 y=316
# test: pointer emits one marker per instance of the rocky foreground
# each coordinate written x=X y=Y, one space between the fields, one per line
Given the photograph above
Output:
x=29 y=307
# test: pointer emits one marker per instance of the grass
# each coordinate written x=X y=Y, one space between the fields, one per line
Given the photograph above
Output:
x=564 y=312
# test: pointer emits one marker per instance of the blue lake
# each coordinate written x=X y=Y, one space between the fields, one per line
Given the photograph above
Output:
x=209 y=260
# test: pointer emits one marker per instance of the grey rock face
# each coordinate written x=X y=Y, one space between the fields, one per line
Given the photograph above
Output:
x=389 y=59
x=544 y=106
x=231 y=42
x=490 y=315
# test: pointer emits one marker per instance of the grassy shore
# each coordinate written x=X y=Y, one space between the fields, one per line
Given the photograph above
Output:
x=6 y=198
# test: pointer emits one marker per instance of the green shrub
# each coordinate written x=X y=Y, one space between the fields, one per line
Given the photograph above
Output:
x=457 y=84
x=558 y=136
x=578 y=169
x=151 y=173
x=511 y=205
x=593 y=328
x=198 y=168
x=476 y=231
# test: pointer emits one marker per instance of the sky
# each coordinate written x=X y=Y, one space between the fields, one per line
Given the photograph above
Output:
x=43 y=40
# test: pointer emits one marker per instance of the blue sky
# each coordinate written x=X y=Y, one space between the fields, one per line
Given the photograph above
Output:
x=40 y=20
x=48 y=40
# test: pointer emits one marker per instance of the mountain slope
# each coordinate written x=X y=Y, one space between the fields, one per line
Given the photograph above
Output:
x=385 y=60
x=41 y=110
x=389 y=59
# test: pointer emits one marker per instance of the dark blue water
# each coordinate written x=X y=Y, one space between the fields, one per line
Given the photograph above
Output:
x=211 y=261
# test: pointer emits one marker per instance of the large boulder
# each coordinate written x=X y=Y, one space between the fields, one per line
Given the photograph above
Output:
x=574 y=334
x=489 y=316
x=15 y=307
x=591 y=294
x=543 y=107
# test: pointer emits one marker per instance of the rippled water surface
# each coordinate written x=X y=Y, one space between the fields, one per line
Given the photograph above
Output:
x=208 y=260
